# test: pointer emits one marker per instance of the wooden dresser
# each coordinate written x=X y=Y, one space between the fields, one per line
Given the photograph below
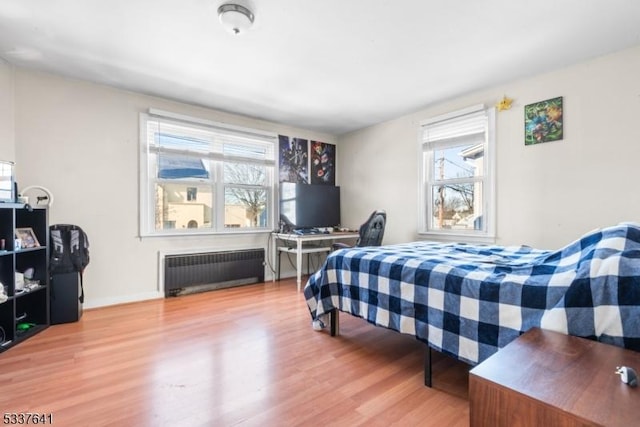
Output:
x=549 y=379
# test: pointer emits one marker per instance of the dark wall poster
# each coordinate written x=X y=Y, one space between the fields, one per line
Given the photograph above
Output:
x=323 y=160
x=294 y=159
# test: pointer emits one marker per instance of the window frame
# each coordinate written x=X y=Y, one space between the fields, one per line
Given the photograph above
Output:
x=148 y=178
x=427 y=182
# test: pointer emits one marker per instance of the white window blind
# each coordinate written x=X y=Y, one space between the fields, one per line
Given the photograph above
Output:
x=464 y=129
x=213 y=140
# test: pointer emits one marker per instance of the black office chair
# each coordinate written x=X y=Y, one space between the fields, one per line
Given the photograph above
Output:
x=371 y=232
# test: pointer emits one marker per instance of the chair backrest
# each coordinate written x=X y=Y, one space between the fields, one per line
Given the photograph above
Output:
x=372 y=231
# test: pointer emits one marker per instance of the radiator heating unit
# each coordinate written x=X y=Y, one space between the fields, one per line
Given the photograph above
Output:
x=204 y=271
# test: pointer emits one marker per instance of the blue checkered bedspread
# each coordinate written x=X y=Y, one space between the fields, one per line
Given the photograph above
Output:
x=469 y=301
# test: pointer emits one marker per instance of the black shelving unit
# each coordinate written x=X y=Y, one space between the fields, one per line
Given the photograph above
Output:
x=26 y=311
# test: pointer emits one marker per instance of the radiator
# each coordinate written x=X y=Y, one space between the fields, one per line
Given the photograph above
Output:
x=199 y=272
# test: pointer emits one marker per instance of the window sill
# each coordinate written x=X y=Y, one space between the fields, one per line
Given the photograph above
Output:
x=206 y=233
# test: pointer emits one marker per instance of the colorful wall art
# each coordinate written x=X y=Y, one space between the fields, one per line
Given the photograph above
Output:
x=323 y=159
x=543 y=121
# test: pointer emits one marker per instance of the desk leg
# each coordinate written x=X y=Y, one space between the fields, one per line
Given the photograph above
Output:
x=278 y=269
x=275 y=258
x=299 y=263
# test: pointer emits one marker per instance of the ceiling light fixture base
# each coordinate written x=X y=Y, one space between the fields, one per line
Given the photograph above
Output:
x=235 y=18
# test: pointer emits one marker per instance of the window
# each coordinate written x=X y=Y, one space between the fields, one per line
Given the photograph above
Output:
x=199 y=176
x=192 y=194
x=458 y=175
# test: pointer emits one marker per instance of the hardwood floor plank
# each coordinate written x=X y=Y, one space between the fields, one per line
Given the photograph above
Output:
x=239 y=356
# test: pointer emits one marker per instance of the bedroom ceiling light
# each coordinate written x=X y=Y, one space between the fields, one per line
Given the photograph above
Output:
x=235 y=18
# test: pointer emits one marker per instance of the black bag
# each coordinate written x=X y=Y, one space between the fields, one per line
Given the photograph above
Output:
x=69 y=251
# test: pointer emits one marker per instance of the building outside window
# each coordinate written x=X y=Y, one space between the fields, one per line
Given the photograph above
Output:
x=199 y=176
x=457 y=178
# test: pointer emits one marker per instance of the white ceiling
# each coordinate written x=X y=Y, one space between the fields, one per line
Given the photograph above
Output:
x=326 y=65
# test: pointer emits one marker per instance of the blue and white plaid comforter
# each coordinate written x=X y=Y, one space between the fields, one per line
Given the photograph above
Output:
x=469 y=301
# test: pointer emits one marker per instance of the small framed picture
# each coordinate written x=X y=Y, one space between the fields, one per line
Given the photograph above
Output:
x=27 y=237
x=543 y=121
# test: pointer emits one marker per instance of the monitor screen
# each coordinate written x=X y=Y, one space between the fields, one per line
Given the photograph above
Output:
x=309 y=206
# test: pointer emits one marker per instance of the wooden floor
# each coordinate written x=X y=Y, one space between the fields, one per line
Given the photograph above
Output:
x=240 y=356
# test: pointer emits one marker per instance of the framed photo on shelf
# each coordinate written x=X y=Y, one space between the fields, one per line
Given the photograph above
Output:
x=27 y=237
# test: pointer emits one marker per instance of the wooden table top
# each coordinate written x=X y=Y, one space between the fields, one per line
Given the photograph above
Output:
x=572 y=374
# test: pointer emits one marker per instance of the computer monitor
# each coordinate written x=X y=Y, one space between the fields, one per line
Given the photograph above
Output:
x=309 y=206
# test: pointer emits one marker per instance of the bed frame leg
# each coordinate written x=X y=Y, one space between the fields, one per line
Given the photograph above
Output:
x=334 y=319
x=427 y=368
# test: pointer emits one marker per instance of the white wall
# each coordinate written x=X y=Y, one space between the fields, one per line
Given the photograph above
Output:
x=7 y=146
x=547 y=194
x=80 y=140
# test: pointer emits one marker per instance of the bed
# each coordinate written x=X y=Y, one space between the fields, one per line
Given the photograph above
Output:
x=468 y=301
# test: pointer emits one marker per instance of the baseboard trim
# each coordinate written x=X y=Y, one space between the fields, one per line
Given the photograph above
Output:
x=104 y=302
